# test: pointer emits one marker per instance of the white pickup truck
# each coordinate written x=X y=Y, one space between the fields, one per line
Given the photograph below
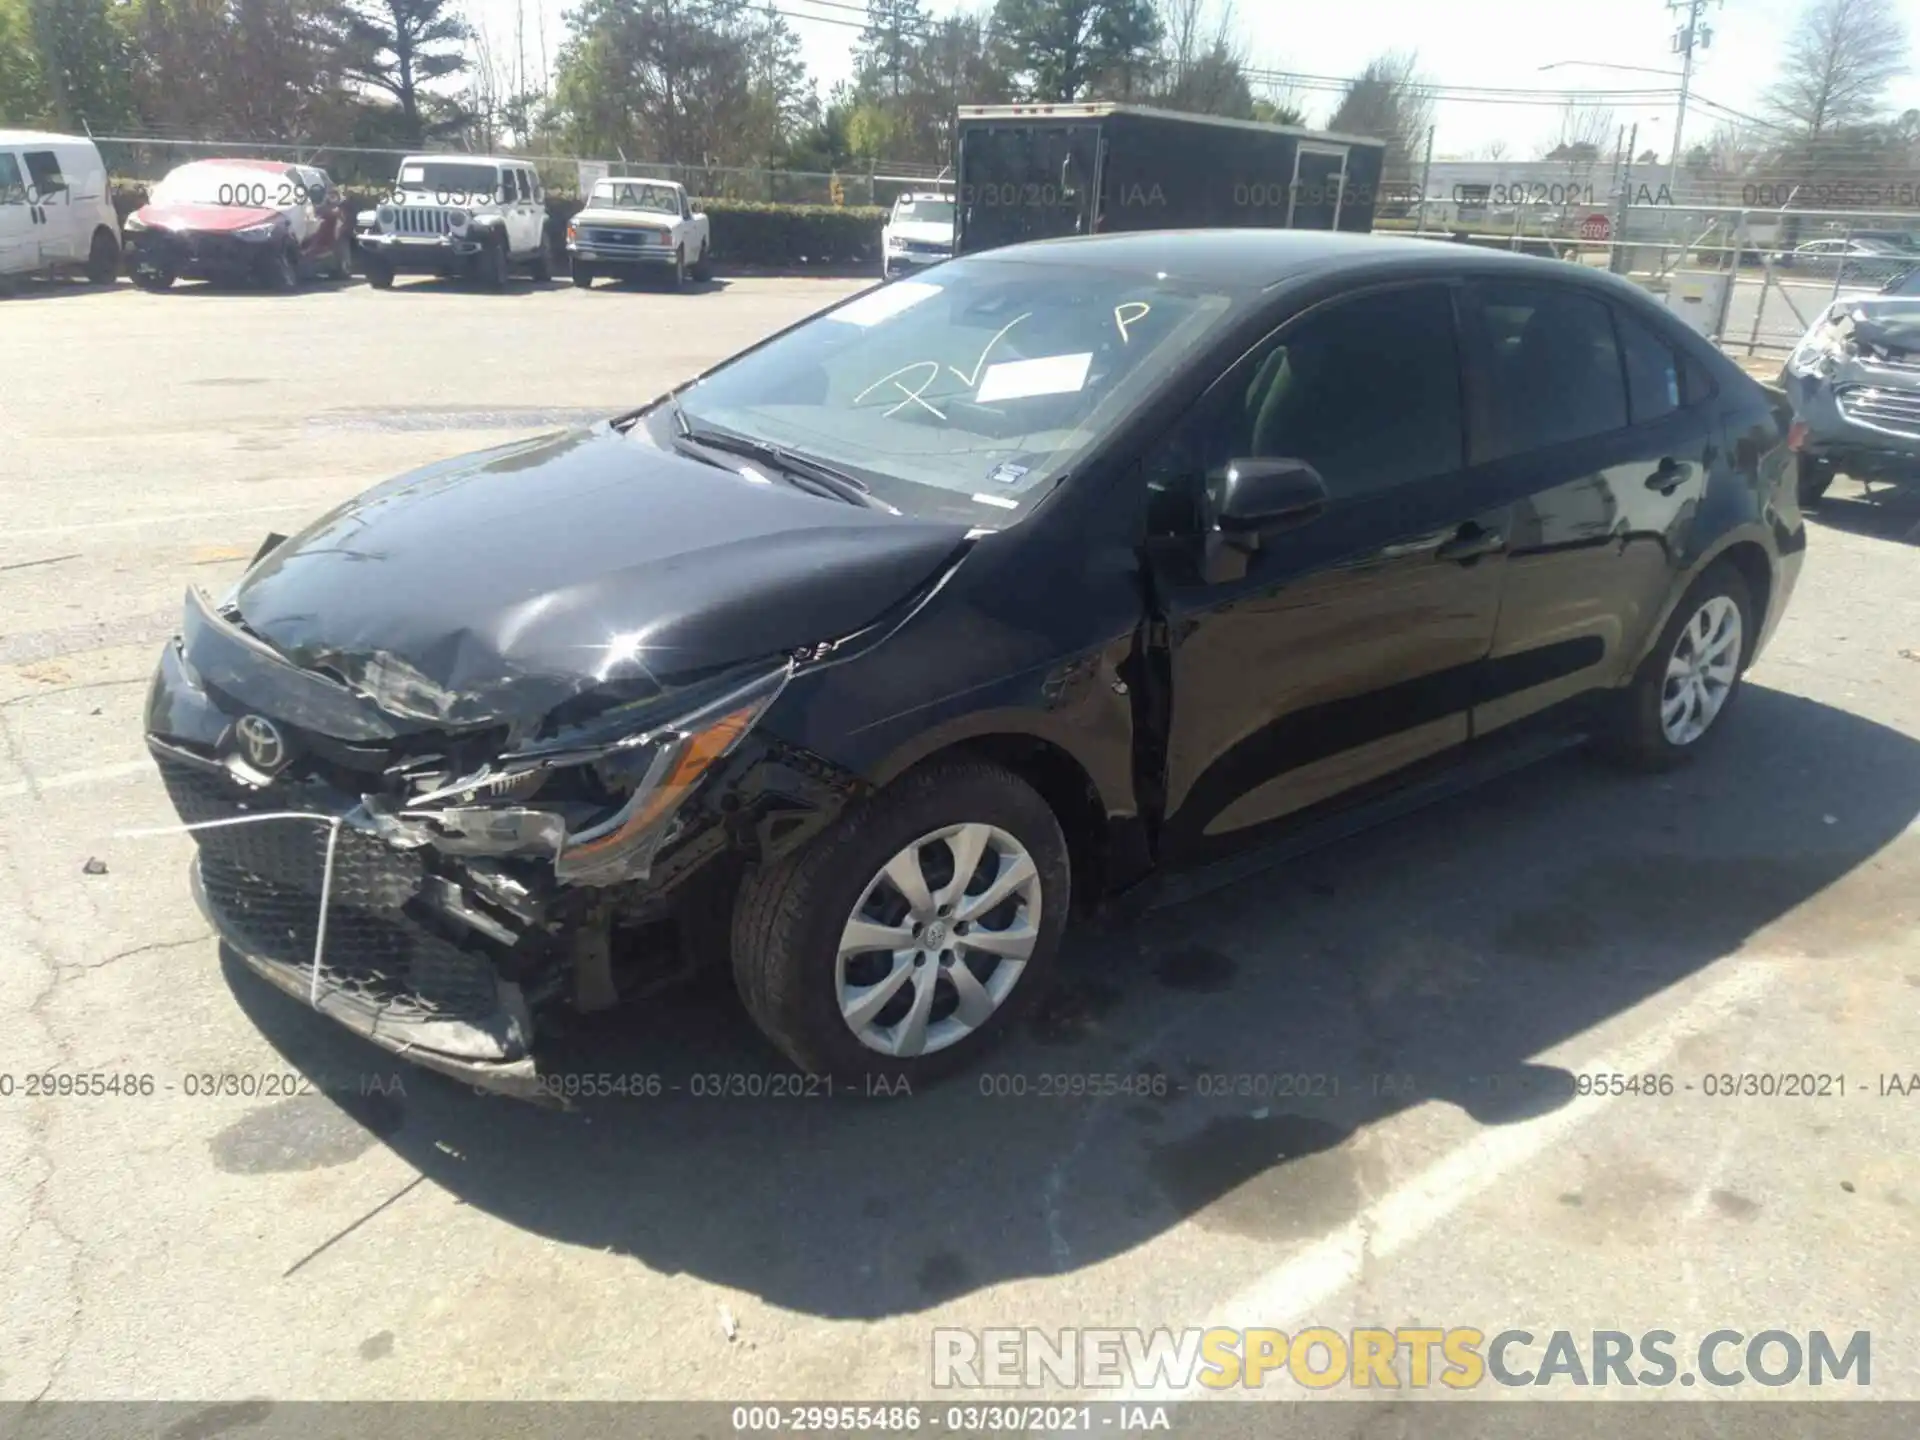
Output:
x=631 y=226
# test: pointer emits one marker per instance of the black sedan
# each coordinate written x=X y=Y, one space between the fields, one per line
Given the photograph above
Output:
x=865 y=661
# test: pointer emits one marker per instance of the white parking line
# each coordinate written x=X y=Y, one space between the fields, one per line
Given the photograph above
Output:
x=68 y=779
x=1298 y=1288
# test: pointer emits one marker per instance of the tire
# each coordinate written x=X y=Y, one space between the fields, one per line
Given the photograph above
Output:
x=280 y=273
x=379 y=274
x=1815 y=477
x=1639 y=735
x=790 y=919
x=703 y=267
x=677 y=276
x=103 y=259
x=496 y=267
x=542 y=267
x=583 y=275
x=341 y=267
x=152 y=278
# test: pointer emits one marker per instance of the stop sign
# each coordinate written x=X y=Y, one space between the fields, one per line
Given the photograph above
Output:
x=1595 y=227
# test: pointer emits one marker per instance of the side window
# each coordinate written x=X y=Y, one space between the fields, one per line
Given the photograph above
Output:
x=526 y=185
x=686 y=205
x=1551 y=366
x=43 y=170
x=13 y=189
x=1653 y=371
x=1366 y=390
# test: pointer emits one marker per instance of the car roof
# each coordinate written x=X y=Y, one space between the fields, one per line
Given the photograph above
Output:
x=459 y=159
x=1263 y=258
x=40 y=137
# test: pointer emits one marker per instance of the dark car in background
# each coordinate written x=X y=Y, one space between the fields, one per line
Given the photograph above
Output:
x=1854 y=384
x=868 y=658
x=239 y=221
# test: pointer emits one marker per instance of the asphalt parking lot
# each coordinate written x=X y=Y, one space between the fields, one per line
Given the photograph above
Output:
x=387 y=1234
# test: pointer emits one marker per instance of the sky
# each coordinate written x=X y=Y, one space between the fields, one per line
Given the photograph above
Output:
x=1487 y=43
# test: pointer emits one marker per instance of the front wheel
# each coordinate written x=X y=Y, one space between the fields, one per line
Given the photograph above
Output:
x=703 y=267
x=496 y=267
x=152 y=277
x=907 y=937
x=1814 y=478
x=379 y=274
x=279 y=272
x=103 y=259
x=582 y=275
x=1684 y=688
x=677 y=276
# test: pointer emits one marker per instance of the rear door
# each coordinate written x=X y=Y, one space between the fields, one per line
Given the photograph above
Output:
x=1348 y=648
x=19 y=231
x=1588 y=432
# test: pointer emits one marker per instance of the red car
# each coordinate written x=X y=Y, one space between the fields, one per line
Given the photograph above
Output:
x=237 y=221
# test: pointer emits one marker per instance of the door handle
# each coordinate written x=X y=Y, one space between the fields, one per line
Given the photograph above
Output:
x=1470 y=544
x=1670 y=476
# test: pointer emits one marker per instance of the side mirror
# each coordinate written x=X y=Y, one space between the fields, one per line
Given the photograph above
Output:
x=1249 y=499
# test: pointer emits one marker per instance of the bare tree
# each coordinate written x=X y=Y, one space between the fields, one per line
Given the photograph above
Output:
x=1585 y=132
x=1496 y=150
x=1840 y=59
x=1391 y=100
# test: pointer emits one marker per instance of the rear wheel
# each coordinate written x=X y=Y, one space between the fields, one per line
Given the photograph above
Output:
x=1814 y=478
x=1677 y=702
x=582 y=275
x=908 y=936
x=103 y=259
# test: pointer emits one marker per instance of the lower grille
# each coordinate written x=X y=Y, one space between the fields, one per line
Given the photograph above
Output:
x=622 y=239
x=263 y=882
x=1896 y=411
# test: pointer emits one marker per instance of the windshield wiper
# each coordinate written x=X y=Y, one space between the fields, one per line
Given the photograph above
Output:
x=801 y=471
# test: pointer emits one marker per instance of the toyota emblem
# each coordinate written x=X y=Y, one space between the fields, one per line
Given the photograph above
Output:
x=261 y=742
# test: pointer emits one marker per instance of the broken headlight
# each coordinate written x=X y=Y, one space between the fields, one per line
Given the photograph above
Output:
x=599 y=803
x=1823 y=346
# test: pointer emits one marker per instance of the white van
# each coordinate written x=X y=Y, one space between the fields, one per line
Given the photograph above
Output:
x=55 y=210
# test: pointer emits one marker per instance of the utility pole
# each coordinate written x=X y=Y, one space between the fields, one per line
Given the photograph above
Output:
x=1690 y=36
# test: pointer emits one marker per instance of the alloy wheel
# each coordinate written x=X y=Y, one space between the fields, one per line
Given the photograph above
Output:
x=1701 y=671
x=938 y=940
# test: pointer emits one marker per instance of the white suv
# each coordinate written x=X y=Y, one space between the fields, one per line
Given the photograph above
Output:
x=472 y=215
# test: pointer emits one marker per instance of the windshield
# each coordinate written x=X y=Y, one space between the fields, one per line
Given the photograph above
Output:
x=924 y=211
x=967 y=394
x=449 y=177
x=632 y=195
x=224 y=185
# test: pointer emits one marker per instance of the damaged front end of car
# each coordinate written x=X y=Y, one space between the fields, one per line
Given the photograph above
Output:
x=1854 y=383
x=434 y=888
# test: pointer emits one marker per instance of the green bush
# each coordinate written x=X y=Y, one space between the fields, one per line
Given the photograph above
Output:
x=745 y=232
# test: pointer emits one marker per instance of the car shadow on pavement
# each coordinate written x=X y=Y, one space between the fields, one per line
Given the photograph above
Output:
x=1213 y=1064
x=1888 y=512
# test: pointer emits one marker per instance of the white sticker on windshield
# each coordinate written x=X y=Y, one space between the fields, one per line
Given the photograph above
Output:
x=1018 y=379
x=412 y=174
x=885 y=302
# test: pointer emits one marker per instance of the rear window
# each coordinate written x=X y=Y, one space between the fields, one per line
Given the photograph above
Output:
x=1653 y=371
x=1552 y=367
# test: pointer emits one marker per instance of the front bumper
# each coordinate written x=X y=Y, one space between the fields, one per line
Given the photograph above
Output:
x=1864 y=422
x=898 y=260
x=621 y=255
x=438 y=254
x=196 y=255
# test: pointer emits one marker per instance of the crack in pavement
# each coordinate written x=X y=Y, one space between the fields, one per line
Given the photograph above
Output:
x=151 y=945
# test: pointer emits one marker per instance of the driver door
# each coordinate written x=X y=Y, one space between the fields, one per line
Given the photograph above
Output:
x=1348 y=646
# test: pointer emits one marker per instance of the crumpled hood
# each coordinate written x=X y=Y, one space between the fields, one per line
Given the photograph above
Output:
x=207 y=219
x=493 y=587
